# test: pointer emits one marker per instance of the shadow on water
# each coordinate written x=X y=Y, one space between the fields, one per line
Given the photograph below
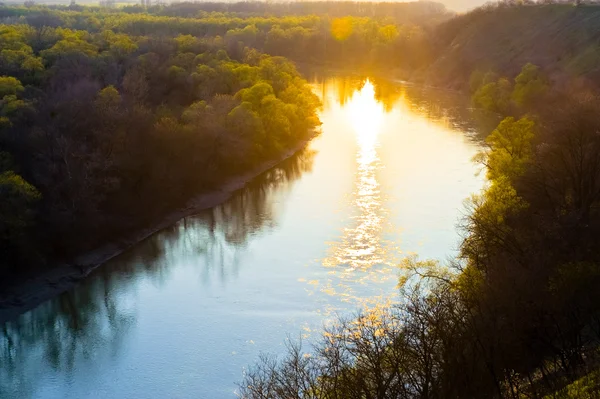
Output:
x=213 y=240
x=97 y=313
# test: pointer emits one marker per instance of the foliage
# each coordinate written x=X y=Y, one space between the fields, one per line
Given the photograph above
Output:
x=341 y=28
x=9 y=86
x=17 y=195
x=116 y=113
x=587 y=387
x=378 y=35
x=498 y=94
x=494 y=96
x=16 y=213
x=530 y=85
x=517 y=313
x=511 y=148
x=505 y=35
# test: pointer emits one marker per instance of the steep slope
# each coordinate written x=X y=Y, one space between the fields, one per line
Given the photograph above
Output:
x=562 y=39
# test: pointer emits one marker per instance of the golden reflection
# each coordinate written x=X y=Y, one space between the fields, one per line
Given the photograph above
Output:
x=361 y=246
x=364 y=114
x=361 y=255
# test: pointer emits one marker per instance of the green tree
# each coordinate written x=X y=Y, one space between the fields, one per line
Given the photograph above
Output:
x=72 y=45
x=511 y=148
x=18 y=199
x=10 y=86
x=494 y=96
x=108 y=99
x=255 y=94
x=530 y=85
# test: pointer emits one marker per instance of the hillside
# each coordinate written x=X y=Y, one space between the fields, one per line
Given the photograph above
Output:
x=562 y=39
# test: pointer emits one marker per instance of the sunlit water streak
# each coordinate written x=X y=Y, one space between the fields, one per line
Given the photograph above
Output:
x=362 y=254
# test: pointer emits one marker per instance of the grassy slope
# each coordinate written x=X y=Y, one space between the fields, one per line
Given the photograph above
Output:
x=587 y=387
x=562 y=39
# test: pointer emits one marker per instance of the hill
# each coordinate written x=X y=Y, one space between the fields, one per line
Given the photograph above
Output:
x=562 y=39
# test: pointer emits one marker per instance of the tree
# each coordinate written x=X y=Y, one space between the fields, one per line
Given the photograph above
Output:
x=494 y=96
x=530 y=85
x=342 y=28
x=17 y=204
x=255 y=94
x=72 y=45
x=108 y=100
x=10 y=86
x=511 y=148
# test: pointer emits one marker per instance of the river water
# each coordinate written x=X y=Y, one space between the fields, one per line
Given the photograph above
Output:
x=182 y=314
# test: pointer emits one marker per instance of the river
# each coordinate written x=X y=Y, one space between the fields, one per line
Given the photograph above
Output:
x=181 y=314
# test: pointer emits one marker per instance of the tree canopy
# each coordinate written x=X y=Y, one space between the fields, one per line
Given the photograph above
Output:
x=102 y=108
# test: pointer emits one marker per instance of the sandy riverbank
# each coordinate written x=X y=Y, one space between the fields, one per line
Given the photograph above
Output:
x=29 y=294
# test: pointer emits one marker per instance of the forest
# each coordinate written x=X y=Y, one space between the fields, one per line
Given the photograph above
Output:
x=97 y=123
x=108 y=110
x=363 y=36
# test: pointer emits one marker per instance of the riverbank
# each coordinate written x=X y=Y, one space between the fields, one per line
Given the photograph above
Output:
x=33 y=291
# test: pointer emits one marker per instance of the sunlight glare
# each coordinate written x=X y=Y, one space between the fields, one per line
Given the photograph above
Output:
x=366 y=115
x=361 y=245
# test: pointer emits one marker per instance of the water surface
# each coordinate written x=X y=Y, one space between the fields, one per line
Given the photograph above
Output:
x=181 y=314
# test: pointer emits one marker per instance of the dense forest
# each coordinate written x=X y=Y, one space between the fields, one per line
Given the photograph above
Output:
x=108 y=110
x=96 y=123
x=385 y=35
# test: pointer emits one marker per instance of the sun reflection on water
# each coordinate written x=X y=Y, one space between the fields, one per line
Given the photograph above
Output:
x=391 y=156
x=360 y=246
x=361 y=254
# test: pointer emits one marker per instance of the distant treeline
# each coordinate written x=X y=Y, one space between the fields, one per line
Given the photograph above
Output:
x=420 y=41
x=382 y=35
x=421 y=12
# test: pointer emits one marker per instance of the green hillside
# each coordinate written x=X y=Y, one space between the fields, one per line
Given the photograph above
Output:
x=562 y=39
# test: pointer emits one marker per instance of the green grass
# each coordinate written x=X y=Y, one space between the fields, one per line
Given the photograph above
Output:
x=587 y=387
x=585 y=62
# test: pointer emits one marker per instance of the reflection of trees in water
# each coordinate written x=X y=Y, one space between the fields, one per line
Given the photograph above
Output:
x=449 y=109
x=445 y=107
x=343 y=89
x=92 y=319
x=62 y=331
x=213 y=240
x=251 y=208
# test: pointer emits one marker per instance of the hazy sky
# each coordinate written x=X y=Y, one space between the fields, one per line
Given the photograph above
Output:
x=453 y=5
x=461 y=5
